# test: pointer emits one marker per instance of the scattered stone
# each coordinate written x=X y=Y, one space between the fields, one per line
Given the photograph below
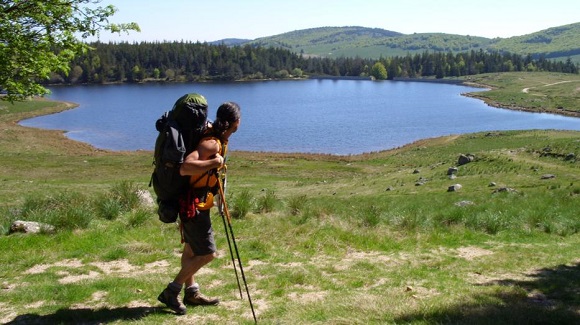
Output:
x=390 y=188
x=145 y=198
x=465 y=159
x=416 y=171
x=492 y=184
x=570 y=156
x=452 y=171
x=540 y=299
x=548 y=176
x=454 y=188
x=452 y=176
x=421 y=181
x=30 y=227
x=409 y=288
x=505 y=189
x=464 y=203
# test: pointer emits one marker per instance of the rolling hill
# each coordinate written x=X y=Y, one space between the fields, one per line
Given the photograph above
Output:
x=557 y=43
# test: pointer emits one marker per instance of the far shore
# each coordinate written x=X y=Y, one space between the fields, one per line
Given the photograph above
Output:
x=454 y=81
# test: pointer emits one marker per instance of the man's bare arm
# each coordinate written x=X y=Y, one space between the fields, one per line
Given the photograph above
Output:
x=204 y=158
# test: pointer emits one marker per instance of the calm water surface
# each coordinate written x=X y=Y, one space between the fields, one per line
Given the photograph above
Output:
x=314 y=116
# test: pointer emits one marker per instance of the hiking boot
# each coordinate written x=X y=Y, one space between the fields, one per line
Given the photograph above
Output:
x=169 y=298
x=197 y=299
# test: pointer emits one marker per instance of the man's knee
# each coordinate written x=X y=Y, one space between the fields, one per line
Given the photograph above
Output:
x=203 y=258
x=209 y=257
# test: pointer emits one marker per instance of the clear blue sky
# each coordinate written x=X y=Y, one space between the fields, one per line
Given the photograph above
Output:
x=211 y=20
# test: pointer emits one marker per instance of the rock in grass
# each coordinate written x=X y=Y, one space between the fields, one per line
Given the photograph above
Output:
x=30 y=227
x=145 y=198
x=505 y=189
x=464 y=203
x=548 y=176
x=454 y=188
x=465 y=159
x=421 y=181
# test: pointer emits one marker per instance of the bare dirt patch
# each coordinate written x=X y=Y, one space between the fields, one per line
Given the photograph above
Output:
x=92 y=275
x=471 y=252
x=121 y=268
x=7 y=313
x=485 y=279
x=41 y=268
x=112 y=267
x=419 y=292
x=307 y=297
x=353 y=256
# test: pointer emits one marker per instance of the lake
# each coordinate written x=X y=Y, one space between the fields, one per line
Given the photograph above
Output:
x=339 y=117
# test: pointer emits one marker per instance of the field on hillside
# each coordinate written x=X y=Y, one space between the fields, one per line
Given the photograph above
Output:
x=372 y=239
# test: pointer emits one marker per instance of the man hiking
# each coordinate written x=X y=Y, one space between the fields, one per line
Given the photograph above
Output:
x=195 y=223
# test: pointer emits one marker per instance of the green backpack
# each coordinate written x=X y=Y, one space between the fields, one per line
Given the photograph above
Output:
x=180 y=131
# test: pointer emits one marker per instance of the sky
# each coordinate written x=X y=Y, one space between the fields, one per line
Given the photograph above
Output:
x=212 y=20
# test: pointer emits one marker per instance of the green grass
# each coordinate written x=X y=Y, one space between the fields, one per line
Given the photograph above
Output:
x=323 y=239
x=536 y=92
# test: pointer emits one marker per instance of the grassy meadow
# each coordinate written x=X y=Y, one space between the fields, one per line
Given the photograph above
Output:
x=368 y=239
x=541 y=92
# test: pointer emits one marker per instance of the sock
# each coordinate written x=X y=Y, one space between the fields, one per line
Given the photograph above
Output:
x=193 y=288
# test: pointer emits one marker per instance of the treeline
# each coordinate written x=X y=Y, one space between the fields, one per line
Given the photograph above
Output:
x=443 y=65
x=187 y=61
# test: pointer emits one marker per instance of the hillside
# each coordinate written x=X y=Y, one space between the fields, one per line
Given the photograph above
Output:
x=556 y=43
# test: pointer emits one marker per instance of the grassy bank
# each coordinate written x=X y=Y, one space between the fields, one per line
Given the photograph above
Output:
x=540 y=92
x=375 y=238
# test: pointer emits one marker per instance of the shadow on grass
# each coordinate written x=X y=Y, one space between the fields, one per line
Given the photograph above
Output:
x=549 y=296
x=89 y=316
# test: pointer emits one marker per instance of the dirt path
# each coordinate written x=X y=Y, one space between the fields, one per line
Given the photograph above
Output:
x=527 y=90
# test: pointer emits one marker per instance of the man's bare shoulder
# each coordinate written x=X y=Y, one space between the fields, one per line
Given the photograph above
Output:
x=207 y=148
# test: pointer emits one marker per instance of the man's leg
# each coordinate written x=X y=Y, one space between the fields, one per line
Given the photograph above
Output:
x=190 y=264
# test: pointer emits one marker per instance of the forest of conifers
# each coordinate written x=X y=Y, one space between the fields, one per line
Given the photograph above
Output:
x=187 y=61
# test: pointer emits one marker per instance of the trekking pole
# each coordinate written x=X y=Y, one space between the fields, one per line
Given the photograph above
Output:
x=227 y=214
x=221 y=211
